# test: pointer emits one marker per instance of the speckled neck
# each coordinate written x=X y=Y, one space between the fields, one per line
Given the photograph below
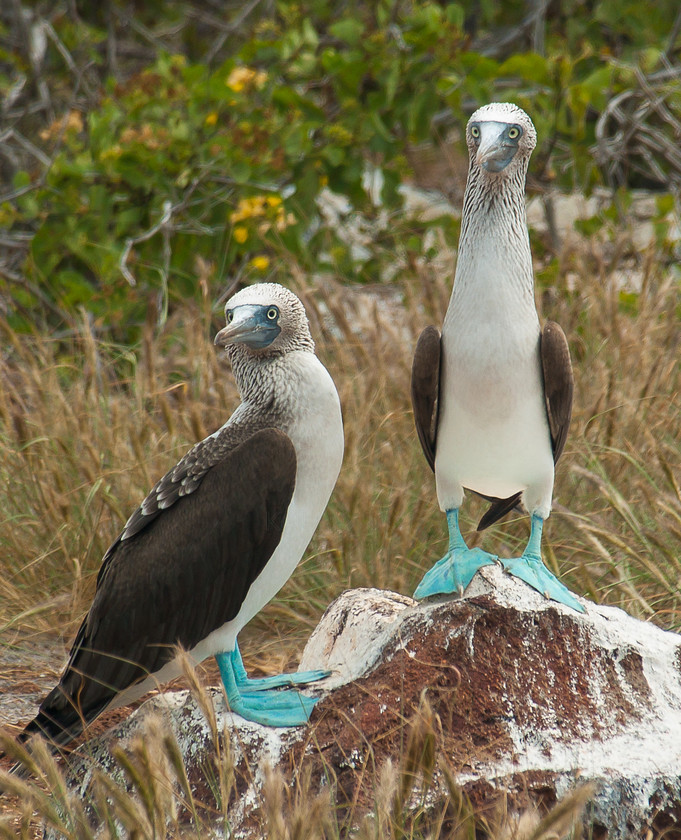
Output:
x=256 y=374
x=494 y=263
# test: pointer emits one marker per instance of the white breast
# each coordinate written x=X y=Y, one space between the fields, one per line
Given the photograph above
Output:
x=308 y=396
x=493 y=435
x=317 y=435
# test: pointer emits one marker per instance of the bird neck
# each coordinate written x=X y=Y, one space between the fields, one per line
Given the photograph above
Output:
x=494 y=262
x=262 y=379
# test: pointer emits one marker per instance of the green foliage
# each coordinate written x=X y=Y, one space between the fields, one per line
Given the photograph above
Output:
x=226 y=161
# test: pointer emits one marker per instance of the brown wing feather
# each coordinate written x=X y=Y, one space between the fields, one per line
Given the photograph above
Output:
x=183 y=571
x=425 y=386
x=558 y=384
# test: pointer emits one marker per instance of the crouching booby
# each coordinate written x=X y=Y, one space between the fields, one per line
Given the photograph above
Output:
x=218 y=535
x=492 y=396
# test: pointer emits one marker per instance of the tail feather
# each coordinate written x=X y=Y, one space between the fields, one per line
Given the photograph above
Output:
x=497 y=509
x=58 y=721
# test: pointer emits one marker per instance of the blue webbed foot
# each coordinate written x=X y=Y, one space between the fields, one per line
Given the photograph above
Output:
x=262 y=701
x=530 y=568
x=456 y=569
x=453 y=572
x=249 y=684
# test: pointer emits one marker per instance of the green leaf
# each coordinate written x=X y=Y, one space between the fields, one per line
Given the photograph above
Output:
x=333 y=154
x=528 y=66
x=389 y=193
x=349 y=30
x=380 y=127
x=21 y=179
x=590 y=226
x=664 y=205
x=240 y=171
x=456 y=15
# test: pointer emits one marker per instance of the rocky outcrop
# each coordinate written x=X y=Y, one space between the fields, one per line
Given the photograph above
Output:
x=528 y=698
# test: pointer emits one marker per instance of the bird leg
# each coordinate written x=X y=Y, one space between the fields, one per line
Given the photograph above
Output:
x=271 y=700
x=456 y=569
x=530 y=568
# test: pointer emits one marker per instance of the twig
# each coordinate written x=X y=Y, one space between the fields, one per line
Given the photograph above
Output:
x=143 y=237
x=24 y=142
x=17 y=241
x=19 y=192
x=34 y=289
x=111 y=56
x=68 y=58
x=139 y=28
x=227 y=31
x=539 y=34
x=673 y=35
x=632 y=134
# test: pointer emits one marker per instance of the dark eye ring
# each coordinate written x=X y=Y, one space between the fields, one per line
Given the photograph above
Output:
x=229 y=315
x=272 y=313
x=513 y=133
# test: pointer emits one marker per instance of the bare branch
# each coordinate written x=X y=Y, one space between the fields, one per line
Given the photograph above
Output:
x=143 y=237
x=25 y=143
x=228 y=30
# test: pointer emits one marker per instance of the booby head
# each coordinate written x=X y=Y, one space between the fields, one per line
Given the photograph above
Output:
x=500 y=138
x=265 y=319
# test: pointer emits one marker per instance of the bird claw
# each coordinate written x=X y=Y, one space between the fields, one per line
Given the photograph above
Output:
x=282 y=680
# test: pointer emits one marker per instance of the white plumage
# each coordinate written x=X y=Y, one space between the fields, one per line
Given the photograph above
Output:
x=218 y=535
x=492 y=395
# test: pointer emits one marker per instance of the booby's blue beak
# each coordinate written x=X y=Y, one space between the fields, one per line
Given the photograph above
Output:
x=497 y=144
x=250 y=324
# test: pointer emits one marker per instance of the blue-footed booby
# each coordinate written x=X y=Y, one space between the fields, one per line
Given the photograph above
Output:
x=492 y=396
x=218 y=535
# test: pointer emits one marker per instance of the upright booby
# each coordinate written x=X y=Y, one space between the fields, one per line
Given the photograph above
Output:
x=492 y=396
x=218 y=535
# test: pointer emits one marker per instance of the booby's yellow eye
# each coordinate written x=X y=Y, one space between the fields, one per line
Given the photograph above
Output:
x=229 y=315
x=475 y=131
x=272 y=313
x=513 y=133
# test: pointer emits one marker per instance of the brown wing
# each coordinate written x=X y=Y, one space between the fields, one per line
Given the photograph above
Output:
x=558 y=390
x=176 y=573
x=425 y=388
x=558 y=384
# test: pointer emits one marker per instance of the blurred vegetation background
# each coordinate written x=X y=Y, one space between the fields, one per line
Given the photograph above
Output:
x=154 y=156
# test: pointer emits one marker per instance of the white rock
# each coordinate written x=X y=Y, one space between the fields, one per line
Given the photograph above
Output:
x=530 y=697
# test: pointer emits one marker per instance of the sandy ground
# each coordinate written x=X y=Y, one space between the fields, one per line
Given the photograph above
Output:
x=28 y=670
x=31 y=667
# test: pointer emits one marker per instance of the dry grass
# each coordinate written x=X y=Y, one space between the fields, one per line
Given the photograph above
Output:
x=147 y=794
x=81 y=445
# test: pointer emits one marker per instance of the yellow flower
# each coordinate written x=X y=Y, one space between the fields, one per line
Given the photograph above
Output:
x=243 y=77
x=211 y=118
x=260 y=263
x=247 y=208
x=273 y=200
x=240 y=234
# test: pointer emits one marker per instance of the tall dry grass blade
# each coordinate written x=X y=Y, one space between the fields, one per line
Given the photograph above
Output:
x=564 y=817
